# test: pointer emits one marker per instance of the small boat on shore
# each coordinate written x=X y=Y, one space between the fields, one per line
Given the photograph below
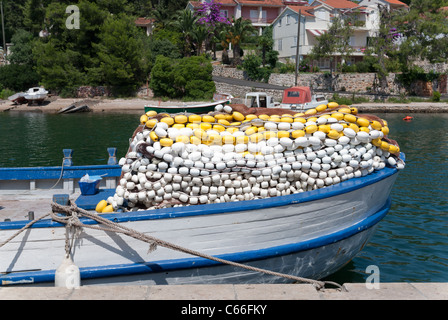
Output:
x=36 y=95
x=196 y=108
x=18 y=98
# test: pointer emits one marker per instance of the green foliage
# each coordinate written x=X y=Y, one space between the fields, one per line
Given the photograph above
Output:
x=119 y=54
x=416 y=74
x=22 y=51
x=5 y=93
x=425 y=31
x=260 y=65
x=188 y=78
x=238 y=32
x=436 y=96
x=252 y=64
x=57 y=68
x=336 y=40
x=288 y=67
x=18 y=77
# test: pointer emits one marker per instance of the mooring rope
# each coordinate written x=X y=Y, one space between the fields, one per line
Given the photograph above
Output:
x=73 y=213
x=23 y=229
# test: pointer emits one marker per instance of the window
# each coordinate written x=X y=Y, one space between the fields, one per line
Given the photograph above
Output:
x=253 y=14
x=295 y=42
x=280 y=22
x=280 y=44
x=323 y=63
x=293 y=94
x=224 y=13
x=352 y=41
x=287 y=19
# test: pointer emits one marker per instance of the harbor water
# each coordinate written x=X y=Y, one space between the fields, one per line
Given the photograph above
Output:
x=410 y=244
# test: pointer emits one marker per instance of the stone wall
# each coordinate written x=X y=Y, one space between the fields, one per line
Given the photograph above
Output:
x=228 y=72
x=91 y=92
x=348 y=82
x=239 y=92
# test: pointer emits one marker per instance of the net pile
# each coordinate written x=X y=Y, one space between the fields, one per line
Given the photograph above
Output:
x=236 y=154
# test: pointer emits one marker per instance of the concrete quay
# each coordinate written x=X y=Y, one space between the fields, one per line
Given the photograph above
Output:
x=234 y=292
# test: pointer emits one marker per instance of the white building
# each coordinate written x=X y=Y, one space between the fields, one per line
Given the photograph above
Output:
x=316 y=20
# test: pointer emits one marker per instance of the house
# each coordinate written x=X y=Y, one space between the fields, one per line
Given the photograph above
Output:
x=261 y=12
x=286 y=28
x=146 y=24
x=373 y=12
x=316 y=18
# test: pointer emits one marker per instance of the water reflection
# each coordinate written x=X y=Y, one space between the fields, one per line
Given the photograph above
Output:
x=411 y=243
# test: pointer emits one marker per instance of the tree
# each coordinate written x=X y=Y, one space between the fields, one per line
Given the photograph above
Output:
x=237 y=33
x=58 y=68
x=383 y=47
x=200 y=35
x=22 y=50
x=185 y=24
x=210 y=17
x=424 y=31
x=223 y=36
x=187 y=78
x=120 y=55
x=335 y=41
x=17 y=77
x=259 y=66
x=266 y=43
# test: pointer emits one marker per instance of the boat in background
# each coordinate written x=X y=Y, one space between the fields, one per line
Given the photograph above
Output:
x=18 y=98
x=36 y=95
x=301 y=98
x=218 y=98
x=32 y=95
x=294 y=98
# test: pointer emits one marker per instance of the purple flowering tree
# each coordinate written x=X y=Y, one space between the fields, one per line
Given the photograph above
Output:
x=209 y=15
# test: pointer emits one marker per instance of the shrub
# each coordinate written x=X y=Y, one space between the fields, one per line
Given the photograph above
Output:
x=436 y=96
x=5 y=93
x=252 y=66
x=188 y=78
x=18 y=77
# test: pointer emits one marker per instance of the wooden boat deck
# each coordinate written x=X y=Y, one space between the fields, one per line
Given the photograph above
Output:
x=16 y=204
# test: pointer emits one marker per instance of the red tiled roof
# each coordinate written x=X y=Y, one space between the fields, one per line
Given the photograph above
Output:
x=227 y=2
x=197 y=4
x=396 y=2
x=143 y=21
x=305 y=10
x=261 y=2
x=340 y=4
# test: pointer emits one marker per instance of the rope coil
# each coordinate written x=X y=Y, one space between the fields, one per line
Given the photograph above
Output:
x=73 y=213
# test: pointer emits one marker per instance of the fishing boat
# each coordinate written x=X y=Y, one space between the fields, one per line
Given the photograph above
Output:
x=311 y=234
x=195 y=108
x=294 y=98
x=301 y=98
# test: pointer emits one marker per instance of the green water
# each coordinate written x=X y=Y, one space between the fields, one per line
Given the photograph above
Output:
x=410 y=244
x=36 y=139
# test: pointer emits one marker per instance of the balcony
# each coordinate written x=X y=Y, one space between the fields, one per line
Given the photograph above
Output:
x=260 y=21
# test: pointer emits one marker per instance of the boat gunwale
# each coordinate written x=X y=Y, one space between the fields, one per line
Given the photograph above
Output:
x=54 y=172
x=222 y=208
x=199 y=262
